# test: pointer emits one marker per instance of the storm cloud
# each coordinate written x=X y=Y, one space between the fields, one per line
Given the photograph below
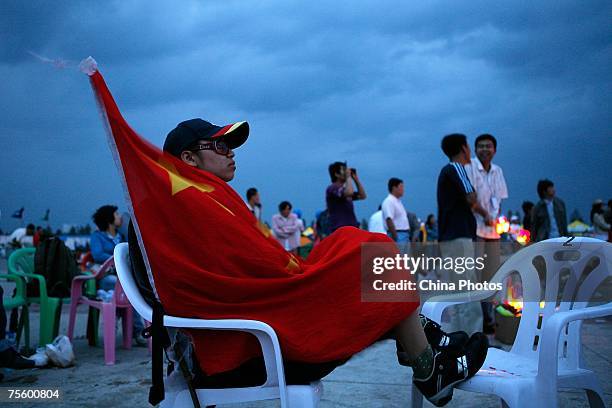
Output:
x=375 y=83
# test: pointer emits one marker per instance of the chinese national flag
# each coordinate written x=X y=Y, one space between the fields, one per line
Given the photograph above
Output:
x=209 y=259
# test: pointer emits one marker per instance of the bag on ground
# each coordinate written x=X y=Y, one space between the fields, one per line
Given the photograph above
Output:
x=60 y=352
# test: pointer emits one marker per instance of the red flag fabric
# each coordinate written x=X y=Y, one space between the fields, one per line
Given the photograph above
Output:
x=209 y=259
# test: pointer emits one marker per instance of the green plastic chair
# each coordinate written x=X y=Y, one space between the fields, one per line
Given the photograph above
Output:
x=21 y=263
x=15 y=302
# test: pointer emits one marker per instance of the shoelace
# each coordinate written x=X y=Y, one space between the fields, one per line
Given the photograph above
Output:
x=462 y=366
x=444 y=341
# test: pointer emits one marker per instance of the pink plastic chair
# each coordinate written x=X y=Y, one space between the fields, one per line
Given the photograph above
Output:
x=119 y=303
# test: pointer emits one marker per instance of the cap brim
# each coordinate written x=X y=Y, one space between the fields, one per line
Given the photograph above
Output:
x=234 y=134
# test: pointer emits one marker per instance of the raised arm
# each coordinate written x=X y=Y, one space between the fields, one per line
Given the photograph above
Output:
x=361 y=193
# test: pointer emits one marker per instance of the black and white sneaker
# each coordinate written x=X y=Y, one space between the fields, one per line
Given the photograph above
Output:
x=449 y=371
x=452 y=343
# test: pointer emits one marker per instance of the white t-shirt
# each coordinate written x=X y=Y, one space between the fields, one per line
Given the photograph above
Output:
x=393 y=208
x=491 y=189
x=256 y=210
x=20 y=236
x=376 y=223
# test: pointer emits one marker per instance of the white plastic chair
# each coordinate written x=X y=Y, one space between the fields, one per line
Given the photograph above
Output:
x=293 y=396
x=547 y=353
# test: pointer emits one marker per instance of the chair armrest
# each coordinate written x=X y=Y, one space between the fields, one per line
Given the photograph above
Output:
x=76 y=287
x=86 y=276
x=19 y=284
x=547 y=365
x=42 y=283
x=265 y=335
x=435 y=306
x=558 y=320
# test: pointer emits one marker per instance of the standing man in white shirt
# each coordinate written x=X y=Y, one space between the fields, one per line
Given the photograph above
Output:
x=254 y=202
x=490 y=185
x=394 y=214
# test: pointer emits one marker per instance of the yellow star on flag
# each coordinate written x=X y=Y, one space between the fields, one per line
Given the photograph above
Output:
x=179 y=183
x=292 y=265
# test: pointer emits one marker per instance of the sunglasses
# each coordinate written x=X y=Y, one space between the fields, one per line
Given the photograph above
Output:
x=218 y=146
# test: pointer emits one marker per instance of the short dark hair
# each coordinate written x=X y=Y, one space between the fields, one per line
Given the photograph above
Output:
x=393 y=181
x=104 y=216
x=486 y=136
x=597 y=208
x=334 y=168
x=452 y=144
x=250 y=193
x=284 y=205
x=527 y=206
x=543 y=185
x=429 y=218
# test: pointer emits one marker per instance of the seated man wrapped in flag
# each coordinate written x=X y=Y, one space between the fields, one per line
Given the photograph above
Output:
x=206 y=257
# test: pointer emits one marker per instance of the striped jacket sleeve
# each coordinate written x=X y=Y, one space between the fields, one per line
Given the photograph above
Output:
x=460 y=177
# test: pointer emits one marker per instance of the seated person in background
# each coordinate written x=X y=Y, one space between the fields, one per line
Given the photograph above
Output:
x=103 y=241
x=102 y=244
x=304 y=288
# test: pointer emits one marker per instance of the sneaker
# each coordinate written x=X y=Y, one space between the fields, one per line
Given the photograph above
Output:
x=10 y=358
x=448 y=371
x=452 y=343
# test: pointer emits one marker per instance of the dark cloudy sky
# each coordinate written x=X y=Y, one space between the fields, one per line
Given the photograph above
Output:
x=374 y=83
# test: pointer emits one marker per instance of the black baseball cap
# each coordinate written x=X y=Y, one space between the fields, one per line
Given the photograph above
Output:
x=190 y=131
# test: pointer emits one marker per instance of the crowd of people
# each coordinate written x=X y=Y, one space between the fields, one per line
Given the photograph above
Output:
x=470 y=192
x=485 y=180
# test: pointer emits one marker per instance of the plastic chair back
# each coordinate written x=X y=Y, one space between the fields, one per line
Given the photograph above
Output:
x=128 y=284
x=119 y=297
x=564 y=277
x=22 y=260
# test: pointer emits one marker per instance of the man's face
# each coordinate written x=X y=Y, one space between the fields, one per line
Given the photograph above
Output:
x=341 y=174
x=467 y=153
x=222 y=166
x=398 y=190
x=485 y=150
x=256 y=199
x=286 y=211
x=117 y=220
x=550 y=192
